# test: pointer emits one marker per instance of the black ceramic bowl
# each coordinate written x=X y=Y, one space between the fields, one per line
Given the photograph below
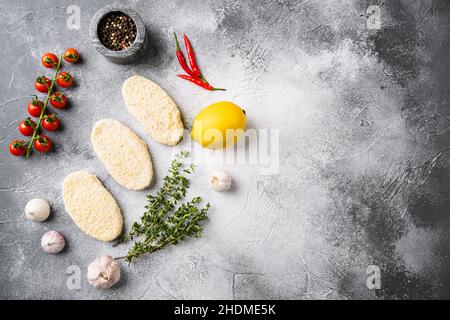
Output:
x=122 y=56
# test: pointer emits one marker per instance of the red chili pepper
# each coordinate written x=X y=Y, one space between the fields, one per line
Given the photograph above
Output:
x=181 y=58
x=191 y=58
x=199 y=82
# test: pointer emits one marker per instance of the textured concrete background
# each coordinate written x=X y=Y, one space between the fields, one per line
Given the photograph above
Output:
x=364 y=142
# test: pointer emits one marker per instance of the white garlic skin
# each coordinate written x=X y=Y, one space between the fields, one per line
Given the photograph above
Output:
x=220 y=181
x=37 y=210
x=103 y=272
x=53 y=242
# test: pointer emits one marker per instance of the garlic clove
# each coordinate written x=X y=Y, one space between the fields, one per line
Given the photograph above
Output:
x=220 y=181
x=53 y=242
x=103 y=272
x=37 y=210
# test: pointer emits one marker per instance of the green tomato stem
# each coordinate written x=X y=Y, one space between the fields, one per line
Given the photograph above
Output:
x=38 y=124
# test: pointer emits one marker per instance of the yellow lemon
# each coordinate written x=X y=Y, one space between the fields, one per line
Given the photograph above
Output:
x=219 y=125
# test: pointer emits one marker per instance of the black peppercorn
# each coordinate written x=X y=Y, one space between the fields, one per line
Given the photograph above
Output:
x=117 y=31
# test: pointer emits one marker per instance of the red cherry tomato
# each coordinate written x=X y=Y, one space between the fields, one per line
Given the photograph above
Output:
x=35 y=107
x=71 y=55
x=64 y=79
x=58 y=100
x=17 y=148
x=26 y=127
x=42 y=143
x=50 y=122
x=42 y=84
x=49 y=60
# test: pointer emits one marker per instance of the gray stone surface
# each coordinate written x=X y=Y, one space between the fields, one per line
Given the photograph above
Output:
x=363 y=150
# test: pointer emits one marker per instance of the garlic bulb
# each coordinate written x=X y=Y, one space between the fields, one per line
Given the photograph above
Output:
x=103 y=272
x=53 y=242
x=37 y=210
x=220 y=181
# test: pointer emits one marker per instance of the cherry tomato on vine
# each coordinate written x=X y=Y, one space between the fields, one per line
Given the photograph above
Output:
x=26 y=127
x=58 y=100
x=17 y=148
x=64 y=79
x=42 y=84
x=35 y=107
x=71 y=55
x=42 y=143
x=49 y=60
x=50 y=122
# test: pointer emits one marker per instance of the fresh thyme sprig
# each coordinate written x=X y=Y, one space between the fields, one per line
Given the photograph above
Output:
x=163 y=224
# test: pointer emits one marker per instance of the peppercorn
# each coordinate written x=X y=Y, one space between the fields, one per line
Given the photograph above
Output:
x=117 y=31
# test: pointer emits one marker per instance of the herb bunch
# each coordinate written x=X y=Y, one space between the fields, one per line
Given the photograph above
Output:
x=163 y=223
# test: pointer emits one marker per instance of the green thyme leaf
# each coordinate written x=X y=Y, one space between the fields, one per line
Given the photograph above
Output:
x=164 y=223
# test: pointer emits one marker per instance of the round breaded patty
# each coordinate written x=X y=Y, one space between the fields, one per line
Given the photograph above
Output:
x=154 y=109
x=93 y=209
x=123 y=153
